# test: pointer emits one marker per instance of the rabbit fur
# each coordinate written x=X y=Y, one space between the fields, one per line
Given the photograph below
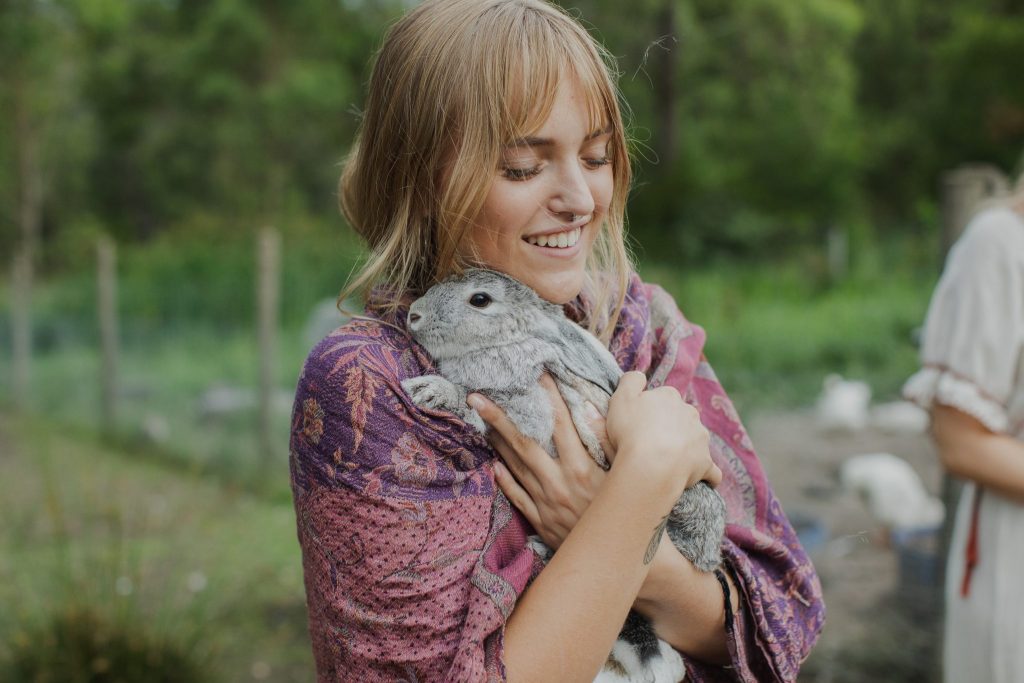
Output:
x=489 y=333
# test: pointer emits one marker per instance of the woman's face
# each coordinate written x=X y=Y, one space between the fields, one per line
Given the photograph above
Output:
x=547 y=201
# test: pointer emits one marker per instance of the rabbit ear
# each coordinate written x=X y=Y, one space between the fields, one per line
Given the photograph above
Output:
x=582 y=353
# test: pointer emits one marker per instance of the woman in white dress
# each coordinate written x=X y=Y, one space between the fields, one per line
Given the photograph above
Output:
x=972 y=382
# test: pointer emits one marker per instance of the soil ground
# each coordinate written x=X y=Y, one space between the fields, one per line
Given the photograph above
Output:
x=882 y=623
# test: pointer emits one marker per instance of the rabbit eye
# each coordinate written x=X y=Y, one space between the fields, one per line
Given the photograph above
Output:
x=480 y=300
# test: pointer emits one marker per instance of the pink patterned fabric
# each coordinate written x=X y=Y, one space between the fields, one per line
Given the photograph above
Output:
x=414 y=559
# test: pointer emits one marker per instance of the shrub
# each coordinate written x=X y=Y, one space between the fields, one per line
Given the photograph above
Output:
x=79 y=643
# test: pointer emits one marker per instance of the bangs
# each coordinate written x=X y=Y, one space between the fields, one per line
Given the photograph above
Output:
x=544 y=50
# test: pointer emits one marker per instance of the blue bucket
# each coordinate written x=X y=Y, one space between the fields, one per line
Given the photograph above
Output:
x=918 y=553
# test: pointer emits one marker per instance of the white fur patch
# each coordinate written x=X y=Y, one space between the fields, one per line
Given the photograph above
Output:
x=666 y=668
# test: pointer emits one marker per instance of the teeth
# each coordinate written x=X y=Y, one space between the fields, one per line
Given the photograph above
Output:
x=561 y=240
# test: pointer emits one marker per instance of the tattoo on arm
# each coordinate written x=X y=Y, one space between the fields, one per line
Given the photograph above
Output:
x=652 y=547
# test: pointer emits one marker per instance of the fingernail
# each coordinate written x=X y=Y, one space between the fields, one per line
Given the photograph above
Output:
x=475 y=401
x=499 y=469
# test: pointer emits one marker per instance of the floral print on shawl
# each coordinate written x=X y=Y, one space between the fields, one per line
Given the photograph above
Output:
x=414 y=559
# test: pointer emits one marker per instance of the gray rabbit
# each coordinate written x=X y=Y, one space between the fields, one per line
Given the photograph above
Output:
x=491 y=334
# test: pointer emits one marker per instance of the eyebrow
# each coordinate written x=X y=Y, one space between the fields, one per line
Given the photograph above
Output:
x=532 y=141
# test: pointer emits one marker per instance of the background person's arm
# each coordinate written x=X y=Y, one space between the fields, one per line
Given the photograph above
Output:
x=970 y=450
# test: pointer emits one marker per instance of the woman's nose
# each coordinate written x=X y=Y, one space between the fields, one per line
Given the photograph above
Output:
x=573 y=195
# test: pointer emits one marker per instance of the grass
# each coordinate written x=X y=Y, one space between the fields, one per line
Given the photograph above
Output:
x=86 y=522
x=159 y=411
x=772 y=335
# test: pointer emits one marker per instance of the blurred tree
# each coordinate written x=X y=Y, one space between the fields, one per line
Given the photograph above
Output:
x=979 y=88
x=227 y=106
x=940 y=85
x=895 y=56
x=752 y=119
x=45 y=127
x=37 y=100
x=758 y=123
x=134 y=61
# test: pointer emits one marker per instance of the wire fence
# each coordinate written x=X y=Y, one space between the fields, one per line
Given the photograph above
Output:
x=211 y=390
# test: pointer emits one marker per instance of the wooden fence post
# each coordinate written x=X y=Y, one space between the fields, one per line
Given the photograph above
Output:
x=964 y=189
x=837 y=248
x=106 y=307
x=268 y=297
x=21 y=324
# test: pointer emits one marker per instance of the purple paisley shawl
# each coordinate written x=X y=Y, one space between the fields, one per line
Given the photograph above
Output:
x=414 y=559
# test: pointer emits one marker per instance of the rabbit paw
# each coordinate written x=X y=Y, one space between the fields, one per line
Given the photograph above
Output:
x=437 y=393
x=432 y=391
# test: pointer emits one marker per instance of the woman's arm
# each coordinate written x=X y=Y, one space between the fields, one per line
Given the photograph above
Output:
x=565 y=624
x=686 y=606
x=970 y=450
x=608 y=529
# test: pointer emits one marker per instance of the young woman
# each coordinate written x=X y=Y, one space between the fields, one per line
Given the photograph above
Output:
x=492 y=136
x=973 y=384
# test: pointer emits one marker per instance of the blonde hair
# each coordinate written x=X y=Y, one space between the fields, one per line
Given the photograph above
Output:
x=454 y=82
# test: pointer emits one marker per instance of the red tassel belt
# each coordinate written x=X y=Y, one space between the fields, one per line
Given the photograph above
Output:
x=971 y=550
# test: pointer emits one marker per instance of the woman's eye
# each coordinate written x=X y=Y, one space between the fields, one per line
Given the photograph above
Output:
x=598 y=162
x=513 y=173
x=480 y=300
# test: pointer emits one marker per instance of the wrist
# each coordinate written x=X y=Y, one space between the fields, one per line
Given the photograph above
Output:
x=667 y=572
x=650 y=475
x=688 y=607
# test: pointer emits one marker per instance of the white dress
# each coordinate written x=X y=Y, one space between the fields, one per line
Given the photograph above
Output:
x=973 y=359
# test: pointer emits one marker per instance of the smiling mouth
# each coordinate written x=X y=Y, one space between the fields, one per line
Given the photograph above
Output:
x=557 y=240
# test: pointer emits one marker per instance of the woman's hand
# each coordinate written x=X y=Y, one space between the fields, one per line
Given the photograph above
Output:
x=552 y=493
x=660 y=436
x=616 y=519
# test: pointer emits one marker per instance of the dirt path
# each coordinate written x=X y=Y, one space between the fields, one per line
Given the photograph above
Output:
x=875 y=630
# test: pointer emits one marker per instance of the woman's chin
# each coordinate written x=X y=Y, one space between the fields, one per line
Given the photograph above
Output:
x=560 y=288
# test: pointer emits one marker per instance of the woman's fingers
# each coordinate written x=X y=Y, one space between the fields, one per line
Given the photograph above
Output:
x=516 y=494
x=523 y=455
x=597 y=425
x=567 y=441
x=512 y=461
x=552 y=493
x=632 y=383
x=713 y=476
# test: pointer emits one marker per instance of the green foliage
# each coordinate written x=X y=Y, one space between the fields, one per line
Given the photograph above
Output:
x=754 y=134
x=759 y=123
x=154 y=558
x=773 y=333
x=940 y=86
x=979 y=89
x=80 y=644
x=202 y=276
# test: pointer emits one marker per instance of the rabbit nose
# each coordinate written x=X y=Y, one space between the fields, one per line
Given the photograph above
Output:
x=414 y=318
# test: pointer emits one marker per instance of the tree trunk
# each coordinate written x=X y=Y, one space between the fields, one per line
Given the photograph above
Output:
x=665 y=92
